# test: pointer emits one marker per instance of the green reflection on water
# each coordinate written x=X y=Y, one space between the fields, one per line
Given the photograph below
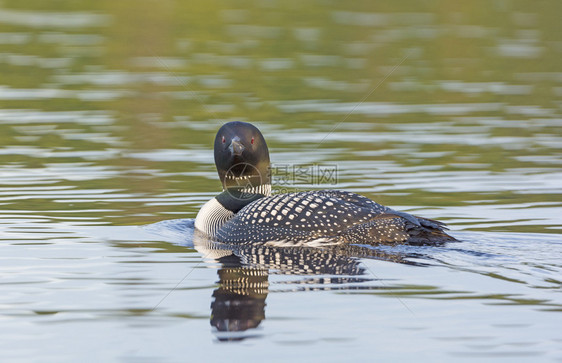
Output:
x=164 y=74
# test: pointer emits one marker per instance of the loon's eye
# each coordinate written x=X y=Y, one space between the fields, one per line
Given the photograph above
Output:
x=252 y=142
x=223 y=140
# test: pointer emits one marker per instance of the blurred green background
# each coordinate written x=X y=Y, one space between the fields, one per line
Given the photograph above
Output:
x=108 y=109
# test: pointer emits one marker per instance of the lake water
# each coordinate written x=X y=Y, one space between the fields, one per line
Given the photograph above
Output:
x=108 y=111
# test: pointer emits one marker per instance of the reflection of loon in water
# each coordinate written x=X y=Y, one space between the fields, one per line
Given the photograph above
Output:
x=239 y=301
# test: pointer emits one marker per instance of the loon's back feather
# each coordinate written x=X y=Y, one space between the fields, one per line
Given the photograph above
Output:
x=326 y=217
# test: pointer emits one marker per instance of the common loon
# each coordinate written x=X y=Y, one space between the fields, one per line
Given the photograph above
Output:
x=247 y=213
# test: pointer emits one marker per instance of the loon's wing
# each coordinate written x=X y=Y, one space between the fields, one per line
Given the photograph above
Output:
x=305 y=218
x=391 y=226
x=317 y=218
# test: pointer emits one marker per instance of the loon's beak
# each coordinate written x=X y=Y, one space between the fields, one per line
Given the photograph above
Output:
x=236 y=147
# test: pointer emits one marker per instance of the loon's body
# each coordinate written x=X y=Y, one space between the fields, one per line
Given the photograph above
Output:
x=247 y=213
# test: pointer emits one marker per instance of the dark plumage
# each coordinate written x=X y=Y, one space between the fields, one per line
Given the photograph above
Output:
x=246 y=213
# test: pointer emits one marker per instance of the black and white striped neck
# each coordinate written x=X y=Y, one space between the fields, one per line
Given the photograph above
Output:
x=234 y=199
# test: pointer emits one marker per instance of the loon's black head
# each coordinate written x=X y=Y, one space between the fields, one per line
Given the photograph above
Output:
x=241 y=156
